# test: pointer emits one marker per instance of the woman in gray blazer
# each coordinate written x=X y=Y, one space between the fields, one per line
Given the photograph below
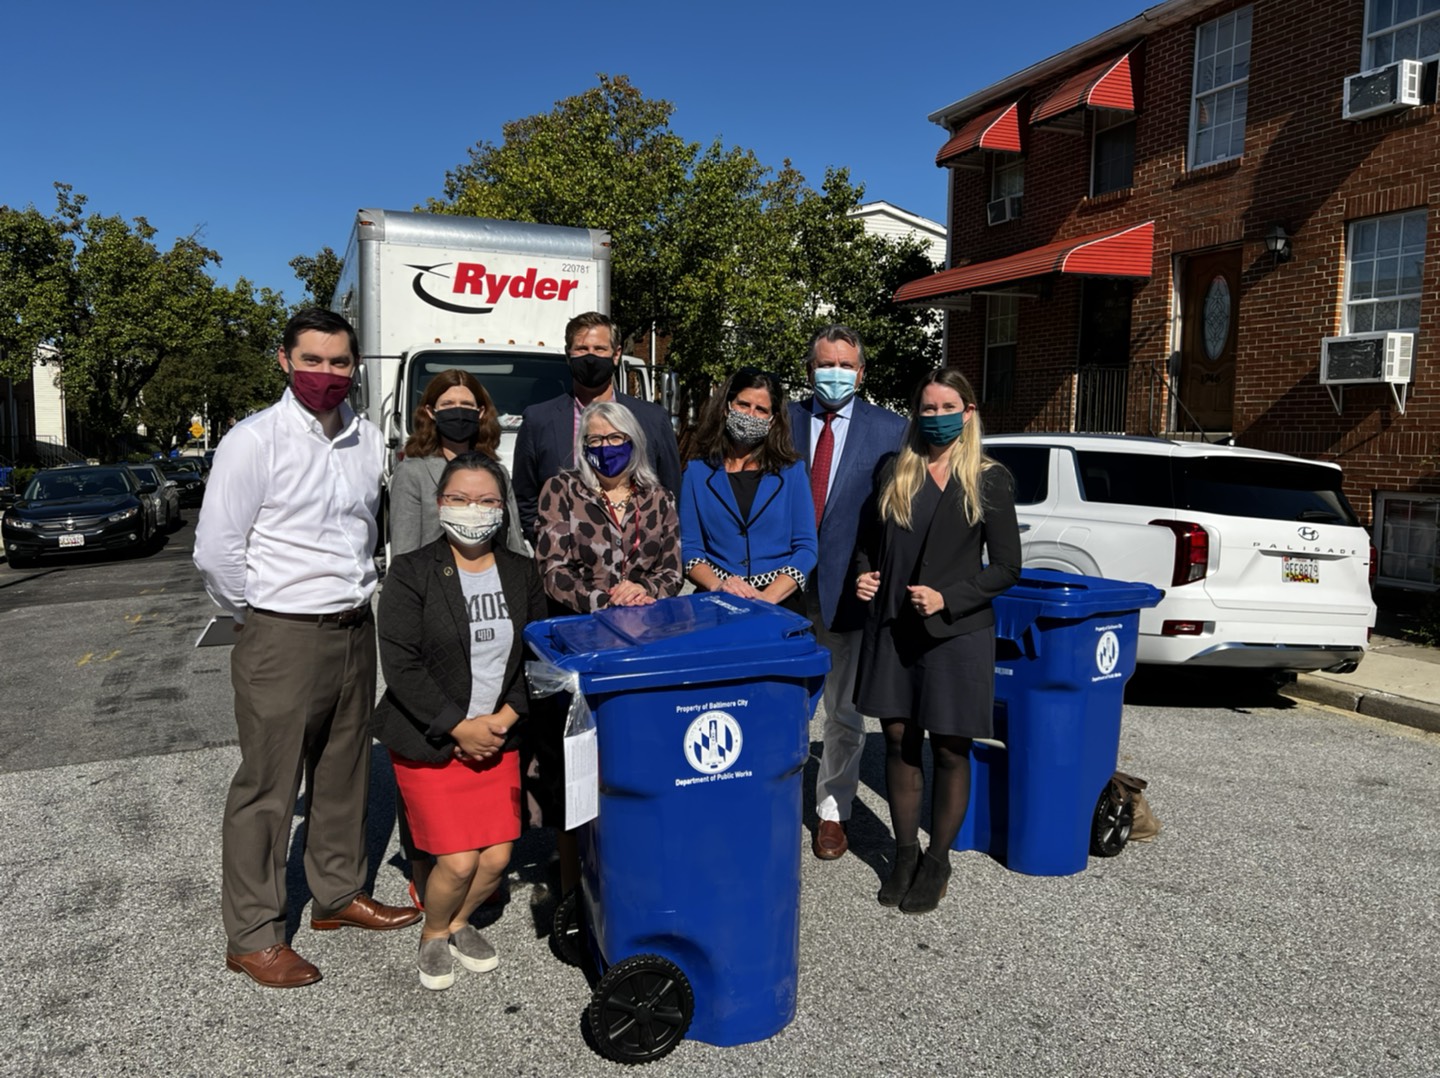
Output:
x=455 y=415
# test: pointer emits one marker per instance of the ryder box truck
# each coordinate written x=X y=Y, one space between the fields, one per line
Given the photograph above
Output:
x=427 y=292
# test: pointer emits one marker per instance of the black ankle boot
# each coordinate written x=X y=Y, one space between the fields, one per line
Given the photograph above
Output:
x=902 y=874
x=931 y=881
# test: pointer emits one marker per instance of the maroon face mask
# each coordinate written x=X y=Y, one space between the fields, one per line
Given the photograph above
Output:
x=318 y=391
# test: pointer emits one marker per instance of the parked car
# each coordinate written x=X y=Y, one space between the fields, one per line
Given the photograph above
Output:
x=1263 y=562
x=190 y=485
x=74 y=508
x=163 y=492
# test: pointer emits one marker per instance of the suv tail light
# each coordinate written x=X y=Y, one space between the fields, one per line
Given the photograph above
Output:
x=1374 y=566
x=1192 y=550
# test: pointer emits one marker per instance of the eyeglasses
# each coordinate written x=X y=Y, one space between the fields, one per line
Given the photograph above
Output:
x=459 y=501
x=595 y=441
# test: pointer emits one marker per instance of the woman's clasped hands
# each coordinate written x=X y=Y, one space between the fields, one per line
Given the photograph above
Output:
x=480 y=736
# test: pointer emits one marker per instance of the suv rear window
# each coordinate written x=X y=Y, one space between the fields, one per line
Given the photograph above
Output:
x=1030 y=465
x=1126 y=478
x=1272 y=490
x=1231 y=486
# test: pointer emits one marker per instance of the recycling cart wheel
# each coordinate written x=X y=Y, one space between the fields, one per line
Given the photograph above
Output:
x=641 y=1009
x=567 y=932
x=1110 y=830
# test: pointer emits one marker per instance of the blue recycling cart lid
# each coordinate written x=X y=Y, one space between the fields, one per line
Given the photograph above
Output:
x=701 y=637
x=1051 y=594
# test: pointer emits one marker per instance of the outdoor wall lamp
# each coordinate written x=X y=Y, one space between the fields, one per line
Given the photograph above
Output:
x=1277 y=242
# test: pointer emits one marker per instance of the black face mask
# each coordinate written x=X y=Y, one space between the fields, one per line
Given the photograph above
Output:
x=457 y=424
x=591 y=371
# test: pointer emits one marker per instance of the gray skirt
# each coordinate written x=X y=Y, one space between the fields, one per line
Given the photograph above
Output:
x=947 y=686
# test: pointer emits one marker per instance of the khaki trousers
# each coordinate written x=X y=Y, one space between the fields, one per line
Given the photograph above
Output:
x=303 y=698
x=843 y=727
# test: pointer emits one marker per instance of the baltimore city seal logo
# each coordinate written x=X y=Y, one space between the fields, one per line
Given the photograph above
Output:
x=712 y=742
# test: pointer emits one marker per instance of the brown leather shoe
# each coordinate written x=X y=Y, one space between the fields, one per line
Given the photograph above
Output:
x=274 y=967
x=830 y=841
x=365 y=912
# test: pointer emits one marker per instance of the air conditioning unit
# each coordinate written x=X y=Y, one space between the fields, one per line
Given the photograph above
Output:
x=1004 y=209
x=1359 y=358
x=1394 y=86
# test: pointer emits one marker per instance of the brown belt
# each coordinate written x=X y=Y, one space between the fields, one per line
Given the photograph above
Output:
x=345 y=619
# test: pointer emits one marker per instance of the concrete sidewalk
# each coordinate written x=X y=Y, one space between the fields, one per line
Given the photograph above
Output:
x=1397 y=681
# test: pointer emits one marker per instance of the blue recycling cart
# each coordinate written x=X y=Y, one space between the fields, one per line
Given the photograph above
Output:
x=1064 y=649
x=690 y=885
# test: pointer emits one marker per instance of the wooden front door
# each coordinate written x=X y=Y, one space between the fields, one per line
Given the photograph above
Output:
x=1210 y=311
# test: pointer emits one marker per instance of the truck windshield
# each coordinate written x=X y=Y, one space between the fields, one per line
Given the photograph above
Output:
x=1274 y=490
x=514 y=380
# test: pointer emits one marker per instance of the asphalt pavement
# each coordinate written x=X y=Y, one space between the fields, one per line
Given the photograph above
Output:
x=1284 y=922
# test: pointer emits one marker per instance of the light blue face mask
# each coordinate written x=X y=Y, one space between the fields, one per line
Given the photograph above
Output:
x=834 y=386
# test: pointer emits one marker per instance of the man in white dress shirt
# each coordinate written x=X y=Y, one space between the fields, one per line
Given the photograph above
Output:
x=286 y=542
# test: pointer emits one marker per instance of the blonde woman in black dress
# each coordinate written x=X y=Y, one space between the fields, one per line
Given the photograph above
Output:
x=927 y=661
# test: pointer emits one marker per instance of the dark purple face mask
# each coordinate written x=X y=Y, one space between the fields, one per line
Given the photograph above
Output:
x=319 y=391
x=610 y=460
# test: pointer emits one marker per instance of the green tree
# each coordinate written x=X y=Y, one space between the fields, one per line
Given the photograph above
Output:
x=37 y=288
x=119 y=310
x=733 y=261
x=227 y=382
x=319 y=274
x=606 y=159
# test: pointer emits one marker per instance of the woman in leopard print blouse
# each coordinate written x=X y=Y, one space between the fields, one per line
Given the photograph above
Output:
x=607 y=532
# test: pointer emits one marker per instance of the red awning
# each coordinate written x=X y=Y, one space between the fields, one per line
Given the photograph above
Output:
x=998 y=129
x=1105 y=86
x=1122 y=252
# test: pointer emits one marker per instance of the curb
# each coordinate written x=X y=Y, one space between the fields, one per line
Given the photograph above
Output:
x=1377 y=705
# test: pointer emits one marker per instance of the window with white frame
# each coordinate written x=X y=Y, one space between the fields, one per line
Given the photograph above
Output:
x=1401 y=30
x=1221 y=91
x=1002 y=325
x=1007 y=178
x=1408 y=531
x=1384 y=265
x=1113 y=160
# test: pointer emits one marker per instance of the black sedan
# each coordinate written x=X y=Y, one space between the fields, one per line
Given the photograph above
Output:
x=190 y=483
x=69 y=510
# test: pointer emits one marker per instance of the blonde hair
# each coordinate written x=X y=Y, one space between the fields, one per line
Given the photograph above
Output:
x=966 y=458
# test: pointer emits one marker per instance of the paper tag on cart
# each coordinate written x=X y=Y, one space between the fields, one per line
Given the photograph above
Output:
x=582 y=778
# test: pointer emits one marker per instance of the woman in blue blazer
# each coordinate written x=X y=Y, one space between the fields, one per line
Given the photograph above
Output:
x=747 y=520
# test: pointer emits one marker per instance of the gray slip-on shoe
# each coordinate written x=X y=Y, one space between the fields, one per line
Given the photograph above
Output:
x=437 y=969
x=473 y=951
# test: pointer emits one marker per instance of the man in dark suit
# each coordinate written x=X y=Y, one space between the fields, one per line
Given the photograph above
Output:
x=546 y=441
x=846 y=442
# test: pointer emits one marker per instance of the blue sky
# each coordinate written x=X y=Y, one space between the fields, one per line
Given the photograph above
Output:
x=266 y=125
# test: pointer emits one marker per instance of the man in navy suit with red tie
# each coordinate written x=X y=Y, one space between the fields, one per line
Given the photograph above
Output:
x=846 y=442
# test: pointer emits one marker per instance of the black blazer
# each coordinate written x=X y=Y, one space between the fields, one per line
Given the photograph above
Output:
x=950 y=560
x=424 y=633
x=546 y=444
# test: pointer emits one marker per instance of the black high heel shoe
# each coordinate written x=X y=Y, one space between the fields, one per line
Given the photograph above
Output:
x=931 y=882
x=902 y=875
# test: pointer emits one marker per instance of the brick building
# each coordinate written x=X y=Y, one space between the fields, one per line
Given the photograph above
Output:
x=1155 y=232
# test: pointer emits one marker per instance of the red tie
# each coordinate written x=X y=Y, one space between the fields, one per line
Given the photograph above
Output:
x=820 y=467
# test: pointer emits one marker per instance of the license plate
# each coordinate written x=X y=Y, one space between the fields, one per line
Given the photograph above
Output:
x=72 y=540
x=1300 y=571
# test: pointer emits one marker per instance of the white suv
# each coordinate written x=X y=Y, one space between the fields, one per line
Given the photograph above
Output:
x=1260 y=556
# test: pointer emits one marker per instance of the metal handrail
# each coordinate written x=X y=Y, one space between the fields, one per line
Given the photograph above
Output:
x=1201 y=433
